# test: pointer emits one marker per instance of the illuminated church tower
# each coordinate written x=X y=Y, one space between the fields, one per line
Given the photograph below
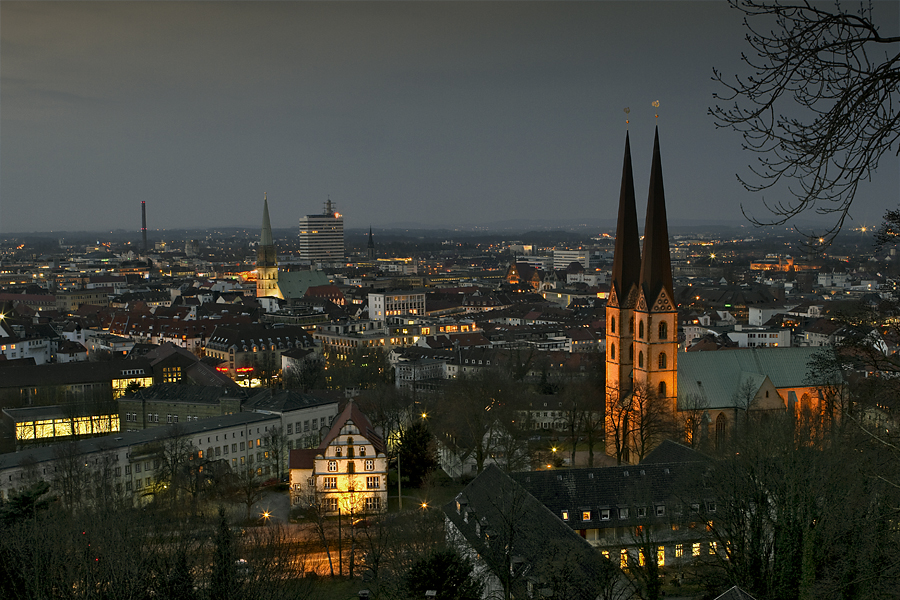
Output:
x=623 y=288
x=641 y=319
x=266 y=260
x=656 y=319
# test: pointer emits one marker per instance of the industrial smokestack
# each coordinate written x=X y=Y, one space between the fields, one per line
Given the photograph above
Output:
x=144 y=224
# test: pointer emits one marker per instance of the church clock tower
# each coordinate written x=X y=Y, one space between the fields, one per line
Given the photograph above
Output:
x=266 y=259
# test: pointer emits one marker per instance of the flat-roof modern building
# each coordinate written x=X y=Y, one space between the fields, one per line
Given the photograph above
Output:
x=322 y=235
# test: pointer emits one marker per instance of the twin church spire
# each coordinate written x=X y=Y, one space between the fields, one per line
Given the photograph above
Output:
x=641 y=319
x=635 y=271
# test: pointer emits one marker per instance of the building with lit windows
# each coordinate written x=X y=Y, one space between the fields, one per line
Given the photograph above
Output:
x=399 y=303
x=252 y=351
x=322 y=235
x=347 y=473
x=131 y=462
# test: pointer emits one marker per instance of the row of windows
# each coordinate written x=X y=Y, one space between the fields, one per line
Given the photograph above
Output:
x=351 y=465
x=663 y=329
x=605 y=514
x=338 y=451
x=627 y=557
x=295 y=427
x=373 y=504
x=661 y=361
x=373 y=482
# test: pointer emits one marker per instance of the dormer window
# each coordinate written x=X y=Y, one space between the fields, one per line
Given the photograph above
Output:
x=337 y=452
x=362 y=450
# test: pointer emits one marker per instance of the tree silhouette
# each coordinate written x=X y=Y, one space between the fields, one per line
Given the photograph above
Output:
x=844 y=77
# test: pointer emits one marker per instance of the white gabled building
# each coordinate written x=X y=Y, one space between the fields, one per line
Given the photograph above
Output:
x=347 y=472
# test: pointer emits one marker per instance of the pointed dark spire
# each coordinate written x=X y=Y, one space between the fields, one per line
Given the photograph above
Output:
x=656 y=268
x=627 y=258
x=265 y=237
x=265 y=253
x=371 y=243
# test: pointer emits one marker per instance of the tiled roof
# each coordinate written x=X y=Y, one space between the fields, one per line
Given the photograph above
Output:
x=352 y=413
x=717 y=376
x=510 y=529
x=302 y=459
x=607 y=488
x=282 y=401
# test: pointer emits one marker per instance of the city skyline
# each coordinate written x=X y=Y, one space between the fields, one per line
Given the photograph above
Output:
x=444 y=114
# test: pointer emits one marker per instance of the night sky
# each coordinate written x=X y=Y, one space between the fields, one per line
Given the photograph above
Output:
x=435 y=114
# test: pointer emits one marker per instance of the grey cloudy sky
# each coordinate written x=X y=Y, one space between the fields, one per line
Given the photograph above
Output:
x=437 y=113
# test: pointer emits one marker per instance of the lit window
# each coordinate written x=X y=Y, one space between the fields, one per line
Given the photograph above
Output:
x=332 y=465
x=623 y=559
x=679 y=550
x=329 y=483
x=695 y=550
x=661 y=556
x=585 y=515
x=370 y=465
x=565 y=515
x=373 y=483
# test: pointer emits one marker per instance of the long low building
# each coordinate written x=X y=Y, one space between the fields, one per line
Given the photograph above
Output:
x=129 y=463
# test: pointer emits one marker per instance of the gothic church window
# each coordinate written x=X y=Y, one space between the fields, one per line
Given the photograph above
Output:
x=663 y=330
x=641 y=329
x=641 y=360
x=612 y=351
x=721 y=427
x=662 y=360
x=662 y=389
x=612 y=325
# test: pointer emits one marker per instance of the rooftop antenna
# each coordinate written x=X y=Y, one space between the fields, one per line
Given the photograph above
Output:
x=656 y=106
x=627 y=110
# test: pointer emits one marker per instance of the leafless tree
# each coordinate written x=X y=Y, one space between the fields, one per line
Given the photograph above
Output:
x=70 y=473
x=692 y=416
x=248 y=486
x=482 y=404
x=835 y=65
x=618 y=424
x=276 y=444
x=652 y=420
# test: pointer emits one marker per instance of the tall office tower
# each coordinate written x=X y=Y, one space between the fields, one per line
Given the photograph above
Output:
x=322 y=235
x=144 y=224
x=266 y=259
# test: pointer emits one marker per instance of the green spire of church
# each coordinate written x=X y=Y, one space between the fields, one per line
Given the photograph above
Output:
x=265 y=238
